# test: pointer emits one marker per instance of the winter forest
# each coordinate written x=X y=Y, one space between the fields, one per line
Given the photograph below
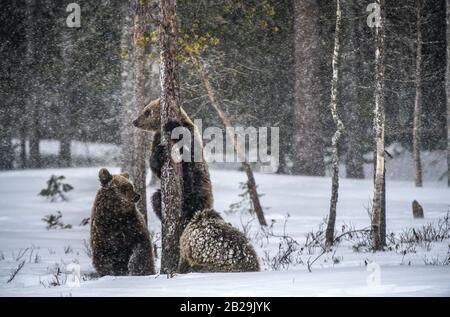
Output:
x=225 y=148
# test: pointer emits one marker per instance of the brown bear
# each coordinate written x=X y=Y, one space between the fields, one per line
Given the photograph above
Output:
x=209 y=244
x=197 y=190
x=120 y=240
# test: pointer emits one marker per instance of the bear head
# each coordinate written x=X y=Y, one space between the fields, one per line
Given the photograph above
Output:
x=150 y=118
x=118 y=186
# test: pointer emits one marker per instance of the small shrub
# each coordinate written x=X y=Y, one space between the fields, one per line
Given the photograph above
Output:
x=58 y=277
x=87 y=248
x=68 y=249
x=54 y=221
x=56 y=188
x=424 y=237
x=85 y=221
x=287 y=252
x=307 y=253
x=245 y=205
x=37 y=258
x=15 y=271
x=436 y=260
x=21 y=254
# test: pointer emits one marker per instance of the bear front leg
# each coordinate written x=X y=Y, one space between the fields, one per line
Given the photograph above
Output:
x=171 y=125
x=183 y=266
x=157 y=159
x=156 y=204
x=140 y=262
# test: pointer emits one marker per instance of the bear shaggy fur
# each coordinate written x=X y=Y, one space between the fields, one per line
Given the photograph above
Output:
x=209 y=244
x=197 y=190
x=120 y=240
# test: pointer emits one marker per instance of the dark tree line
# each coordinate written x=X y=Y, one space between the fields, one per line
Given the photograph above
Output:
x=57 y=82
x=270 y=67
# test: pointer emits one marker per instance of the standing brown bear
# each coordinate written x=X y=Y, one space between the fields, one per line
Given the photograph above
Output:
x=197 y=190
x=120 y=240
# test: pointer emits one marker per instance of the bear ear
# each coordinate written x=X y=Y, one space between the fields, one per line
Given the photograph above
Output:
x=154 y=103
x=126 y=175
x=104 y=176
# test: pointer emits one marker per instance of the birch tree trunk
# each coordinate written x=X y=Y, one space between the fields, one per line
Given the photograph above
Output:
x=137 y=171
x=378 y=212
x=329 y=235
x=171 y=176
x=418 y=99
x=447 y=87
x=308 y=143
x=251 y=183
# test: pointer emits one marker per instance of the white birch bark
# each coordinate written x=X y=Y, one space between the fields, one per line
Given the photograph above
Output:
x=339 y=130
x=378 y=239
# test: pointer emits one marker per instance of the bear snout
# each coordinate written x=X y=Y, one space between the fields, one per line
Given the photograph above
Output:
x=135 y=123
x=136 y=198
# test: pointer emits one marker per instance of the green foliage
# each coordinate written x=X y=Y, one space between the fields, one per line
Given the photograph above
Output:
x=56 y=189
x=55 y=222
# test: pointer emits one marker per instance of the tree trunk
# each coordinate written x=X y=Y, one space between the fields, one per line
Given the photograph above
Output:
x=154 y=180
x=383 y=189
x=254 y=197
x=35 y=135
x=354 y=165
x=6 y=129
x=378 y=214
x=418 y=99
x=308 y=141
x=127 y=91
x=417 y=210
x=65 y=156
x=329 y=236
x=383 y=209
x=447 y=86
x=6 y=146
x=349 y=87
x=139 y=152
x=23 y=146
x=171 y=174
x=32 y=100
x=65 y=133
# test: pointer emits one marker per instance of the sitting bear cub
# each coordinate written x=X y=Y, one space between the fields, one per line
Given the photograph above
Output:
x=209 y=244
x=197 y=191
x=120 y=240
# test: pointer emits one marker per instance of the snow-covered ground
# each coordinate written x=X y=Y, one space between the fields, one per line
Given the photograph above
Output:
x=23 y=236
